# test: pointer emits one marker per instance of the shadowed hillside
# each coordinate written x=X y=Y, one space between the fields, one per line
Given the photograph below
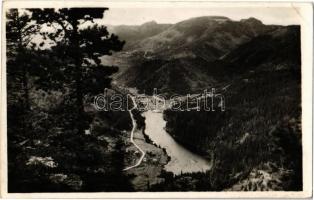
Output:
x=187 y=56
x=258 y=136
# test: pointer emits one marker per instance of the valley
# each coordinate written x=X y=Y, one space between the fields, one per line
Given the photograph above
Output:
x=250 y=64
x=185 y=102
x=151 y=149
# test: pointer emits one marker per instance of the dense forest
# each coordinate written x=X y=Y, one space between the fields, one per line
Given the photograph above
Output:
x=53 y=69
x=260 y=131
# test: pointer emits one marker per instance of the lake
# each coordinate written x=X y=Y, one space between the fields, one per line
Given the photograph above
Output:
x=182 y=159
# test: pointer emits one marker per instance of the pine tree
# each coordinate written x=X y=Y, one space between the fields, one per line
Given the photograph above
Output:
x=19 y=33
x=81 y=49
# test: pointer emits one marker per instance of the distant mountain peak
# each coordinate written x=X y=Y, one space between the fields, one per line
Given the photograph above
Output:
x=153 y=22
x=211 y=17
x=252 y=21
x=219 y=17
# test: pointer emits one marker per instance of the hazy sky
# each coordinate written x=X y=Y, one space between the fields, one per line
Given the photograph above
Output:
x=140 y=15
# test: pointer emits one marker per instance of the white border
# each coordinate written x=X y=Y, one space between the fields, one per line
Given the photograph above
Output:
x=306 y=19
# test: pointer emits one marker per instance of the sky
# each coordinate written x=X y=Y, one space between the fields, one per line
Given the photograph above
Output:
x=140 y=15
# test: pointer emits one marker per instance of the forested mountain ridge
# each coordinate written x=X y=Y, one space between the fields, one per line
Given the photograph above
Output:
x=258 y=136
x=132 y=33
x=190 y=54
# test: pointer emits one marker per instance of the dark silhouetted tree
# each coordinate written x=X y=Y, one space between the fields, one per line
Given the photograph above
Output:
x=81 y=48
x=19 y=34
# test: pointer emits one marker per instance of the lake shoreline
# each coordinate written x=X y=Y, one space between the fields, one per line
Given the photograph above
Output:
x=182 y=160
x=149 y=171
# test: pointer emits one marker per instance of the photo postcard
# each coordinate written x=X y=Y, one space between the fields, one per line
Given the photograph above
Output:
x=156 y=99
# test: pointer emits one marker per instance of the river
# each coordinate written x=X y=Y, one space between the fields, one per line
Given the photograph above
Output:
x=182 y=160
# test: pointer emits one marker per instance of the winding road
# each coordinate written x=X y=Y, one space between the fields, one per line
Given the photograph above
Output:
x=131 y=137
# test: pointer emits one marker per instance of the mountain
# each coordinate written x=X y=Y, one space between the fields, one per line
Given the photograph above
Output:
x=266 y=63
x=281 y=46
x=209 y=37
x=132 y=34
x=256 y=143
x=177 y=76
x=192 y=55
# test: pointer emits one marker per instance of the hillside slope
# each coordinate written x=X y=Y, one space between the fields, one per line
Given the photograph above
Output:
x=132 y=34
x=186 y=57
x=260 y=130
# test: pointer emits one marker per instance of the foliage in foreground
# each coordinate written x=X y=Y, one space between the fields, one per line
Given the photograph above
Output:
x=54 y=144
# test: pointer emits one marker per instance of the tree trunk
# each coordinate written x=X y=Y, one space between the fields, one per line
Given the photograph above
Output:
x=26 y=106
